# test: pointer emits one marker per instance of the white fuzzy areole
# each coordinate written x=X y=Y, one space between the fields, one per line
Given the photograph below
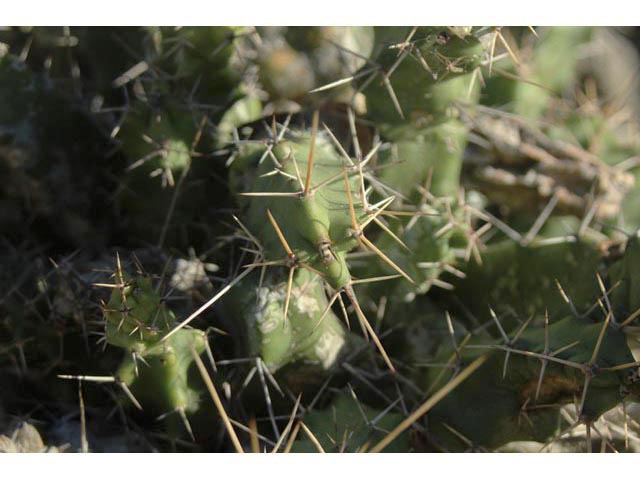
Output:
x=327 y=347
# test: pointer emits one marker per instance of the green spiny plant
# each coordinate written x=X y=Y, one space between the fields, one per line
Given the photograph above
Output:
x=540 y=68
x=475 y=159
x=156 y=370
x=568 y=361
x=347 y=425
x=310 y=333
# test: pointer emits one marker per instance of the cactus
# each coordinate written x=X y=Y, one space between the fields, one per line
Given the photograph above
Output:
x=297 y=64
x=320 y=220
x=139 y=334
x=581 y=358
x=428 y=76
x=314 y=217
x=570 y=360
x=511 y=269
x=311 y=333
x=348 y=426
x=546 y=67
x=156 y=369
x=427 y=73
x=462 y=197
